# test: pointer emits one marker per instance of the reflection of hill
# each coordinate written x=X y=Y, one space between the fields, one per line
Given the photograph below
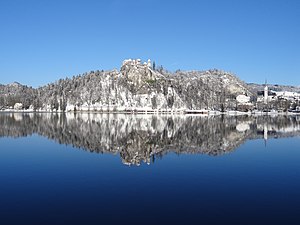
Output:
x=140 y=138
x=277 y=126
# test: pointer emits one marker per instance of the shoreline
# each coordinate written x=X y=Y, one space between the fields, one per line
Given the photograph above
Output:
x=159 y=112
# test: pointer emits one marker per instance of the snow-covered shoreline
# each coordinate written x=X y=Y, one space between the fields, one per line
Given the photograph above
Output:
x=155 y=112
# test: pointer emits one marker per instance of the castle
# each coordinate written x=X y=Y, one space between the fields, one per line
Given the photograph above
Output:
x=136 y=62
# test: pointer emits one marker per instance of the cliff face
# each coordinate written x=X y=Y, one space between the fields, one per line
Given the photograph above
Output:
x=136 y=87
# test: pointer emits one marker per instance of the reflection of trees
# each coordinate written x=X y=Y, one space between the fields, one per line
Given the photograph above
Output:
x=140 y=138
x=277 y=126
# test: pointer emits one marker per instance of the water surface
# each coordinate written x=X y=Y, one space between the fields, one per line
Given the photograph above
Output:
x=147 y=169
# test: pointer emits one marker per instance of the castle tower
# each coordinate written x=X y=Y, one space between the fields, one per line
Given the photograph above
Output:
x=149 y=63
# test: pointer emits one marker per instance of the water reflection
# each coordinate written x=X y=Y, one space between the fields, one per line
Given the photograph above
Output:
x=142 y=138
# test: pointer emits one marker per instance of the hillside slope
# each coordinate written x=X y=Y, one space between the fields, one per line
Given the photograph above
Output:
x=136 y=87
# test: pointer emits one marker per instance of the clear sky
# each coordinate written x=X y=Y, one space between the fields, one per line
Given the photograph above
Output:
x=42 y=41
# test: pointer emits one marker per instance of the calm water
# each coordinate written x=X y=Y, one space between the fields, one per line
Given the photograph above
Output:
x=139 y=169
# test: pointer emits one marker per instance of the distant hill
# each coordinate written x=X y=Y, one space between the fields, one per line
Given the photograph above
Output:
x=274 y=87
x=16 y=93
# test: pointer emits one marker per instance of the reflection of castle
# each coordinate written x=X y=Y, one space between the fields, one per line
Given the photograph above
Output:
x=141 y=138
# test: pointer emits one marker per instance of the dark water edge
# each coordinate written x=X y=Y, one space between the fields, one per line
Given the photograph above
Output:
x=202 y=170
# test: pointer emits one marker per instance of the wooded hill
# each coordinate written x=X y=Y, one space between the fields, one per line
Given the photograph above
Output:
x=136 y=87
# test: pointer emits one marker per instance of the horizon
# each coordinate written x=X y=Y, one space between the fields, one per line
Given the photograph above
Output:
x=44 y=41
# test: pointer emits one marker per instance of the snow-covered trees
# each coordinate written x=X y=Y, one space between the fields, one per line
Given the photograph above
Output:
x=137 y=86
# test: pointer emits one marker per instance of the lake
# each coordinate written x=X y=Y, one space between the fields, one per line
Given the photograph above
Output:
x=149 y=169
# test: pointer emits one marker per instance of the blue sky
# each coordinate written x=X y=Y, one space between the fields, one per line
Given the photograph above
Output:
x=43 y=41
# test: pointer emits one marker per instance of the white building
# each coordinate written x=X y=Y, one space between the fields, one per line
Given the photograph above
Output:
x=243 y=99
x=266 y=94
